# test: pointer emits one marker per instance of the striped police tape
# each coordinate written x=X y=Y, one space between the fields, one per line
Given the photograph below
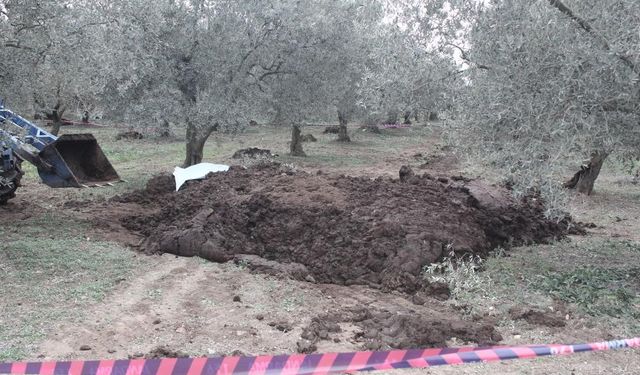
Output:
x=310 y=364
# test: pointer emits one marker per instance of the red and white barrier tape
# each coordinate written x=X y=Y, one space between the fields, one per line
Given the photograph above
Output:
x=311 y=364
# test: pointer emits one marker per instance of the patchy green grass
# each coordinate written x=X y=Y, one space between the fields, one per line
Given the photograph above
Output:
x=48 y=271
x=598 y=279
x=597 y=291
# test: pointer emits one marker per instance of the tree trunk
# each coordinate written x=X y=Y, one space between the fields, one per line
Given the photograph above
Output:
x=85 y=117
x=56 y=116
x=196 y=138
x=278 y=119
x=55 y=130
x=407 y=118
x=343 y=134
x=296 y=142
x=165 y=128
x=584 y=179
x=392 y=117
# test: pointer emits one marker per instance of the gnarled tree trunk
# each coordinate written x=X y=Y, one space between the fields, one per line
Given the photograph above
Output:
x=584 y=179
x=53 y=114
x=196 y=138
x=57 y=122
x=343 y=134
x=407 y=117
x=296 y=142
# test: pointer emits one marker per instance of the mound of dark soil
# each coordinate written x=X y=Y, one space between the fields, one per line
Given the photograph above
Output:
x=539 y=317
x=341 y=230
x=158 y=185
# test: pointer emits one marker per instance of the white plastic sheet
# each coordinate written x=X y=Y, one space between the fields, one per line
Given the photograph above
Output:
x=196 y=172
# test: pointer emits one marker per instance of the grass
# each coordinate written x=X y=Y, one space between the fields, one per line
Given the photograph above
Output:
x=597 y=291
x=49 y=272
x=597 y=278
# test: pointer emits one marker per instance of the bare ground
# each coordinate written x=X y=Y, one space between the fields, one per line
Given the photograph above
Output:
x=201 y=308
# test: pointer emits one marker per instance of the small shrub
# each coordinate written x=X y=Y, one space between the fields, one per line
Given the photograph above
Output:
x=459 y=273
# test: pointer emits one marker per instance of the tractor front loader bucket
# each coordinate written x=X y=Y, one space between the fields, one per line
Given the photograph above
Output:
x=75 y=160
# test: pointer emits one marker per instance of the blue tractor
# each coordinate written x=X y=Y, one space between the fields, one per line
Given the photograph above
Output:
x=71 y=160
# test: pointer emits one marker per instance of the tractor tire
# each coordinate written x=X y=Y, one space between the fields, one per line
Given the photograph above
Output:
x=9 y=183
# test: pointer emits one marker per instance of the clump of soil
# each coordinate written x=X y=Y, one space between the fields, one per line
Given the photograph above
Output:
x=333 y=129
x=158 y=185
x=252 y=153
x=402 y=329
x=335 y=229
x=164 y=352
x=538 y=317
x=131 y=134
x=309 y=138
x=281 y=326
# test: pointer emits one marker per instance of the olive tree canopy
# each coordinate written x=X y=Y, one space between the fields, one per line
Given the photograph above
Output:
x=548 y=84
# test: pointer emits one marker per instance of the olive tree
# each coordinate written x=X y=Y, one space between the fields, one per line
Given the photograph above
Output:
x=407 y=76
x=199 y=62
x=330 y=68
x=218 y=64
x=548 y=83
x=51 y=60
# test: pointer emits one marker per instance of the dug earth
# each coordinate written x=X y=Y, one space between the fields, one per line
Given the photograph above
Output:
x=347 y=235
x=334 y=229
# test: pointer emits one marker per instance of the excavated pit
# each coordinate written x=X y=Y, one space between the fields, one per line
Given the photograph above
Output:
x=334 y=229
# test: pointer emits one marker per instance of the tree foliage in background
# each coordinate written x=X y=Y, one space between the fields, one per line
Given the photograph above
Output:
x=408 y=74
x=50 y=59
x=549 y=84
x=540 y=85
x=213 y=65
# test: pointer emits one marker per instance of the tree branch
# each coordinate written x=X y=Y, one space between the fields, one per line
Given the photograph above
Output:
x=466 y=58
x=20 y=27
x=558 y=4
x=569 y=13
x=17 y=44
x=81 y=28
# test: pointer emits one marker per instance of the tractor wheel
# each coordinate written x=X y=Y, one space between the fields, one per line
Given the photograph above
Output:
x=9 y=182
